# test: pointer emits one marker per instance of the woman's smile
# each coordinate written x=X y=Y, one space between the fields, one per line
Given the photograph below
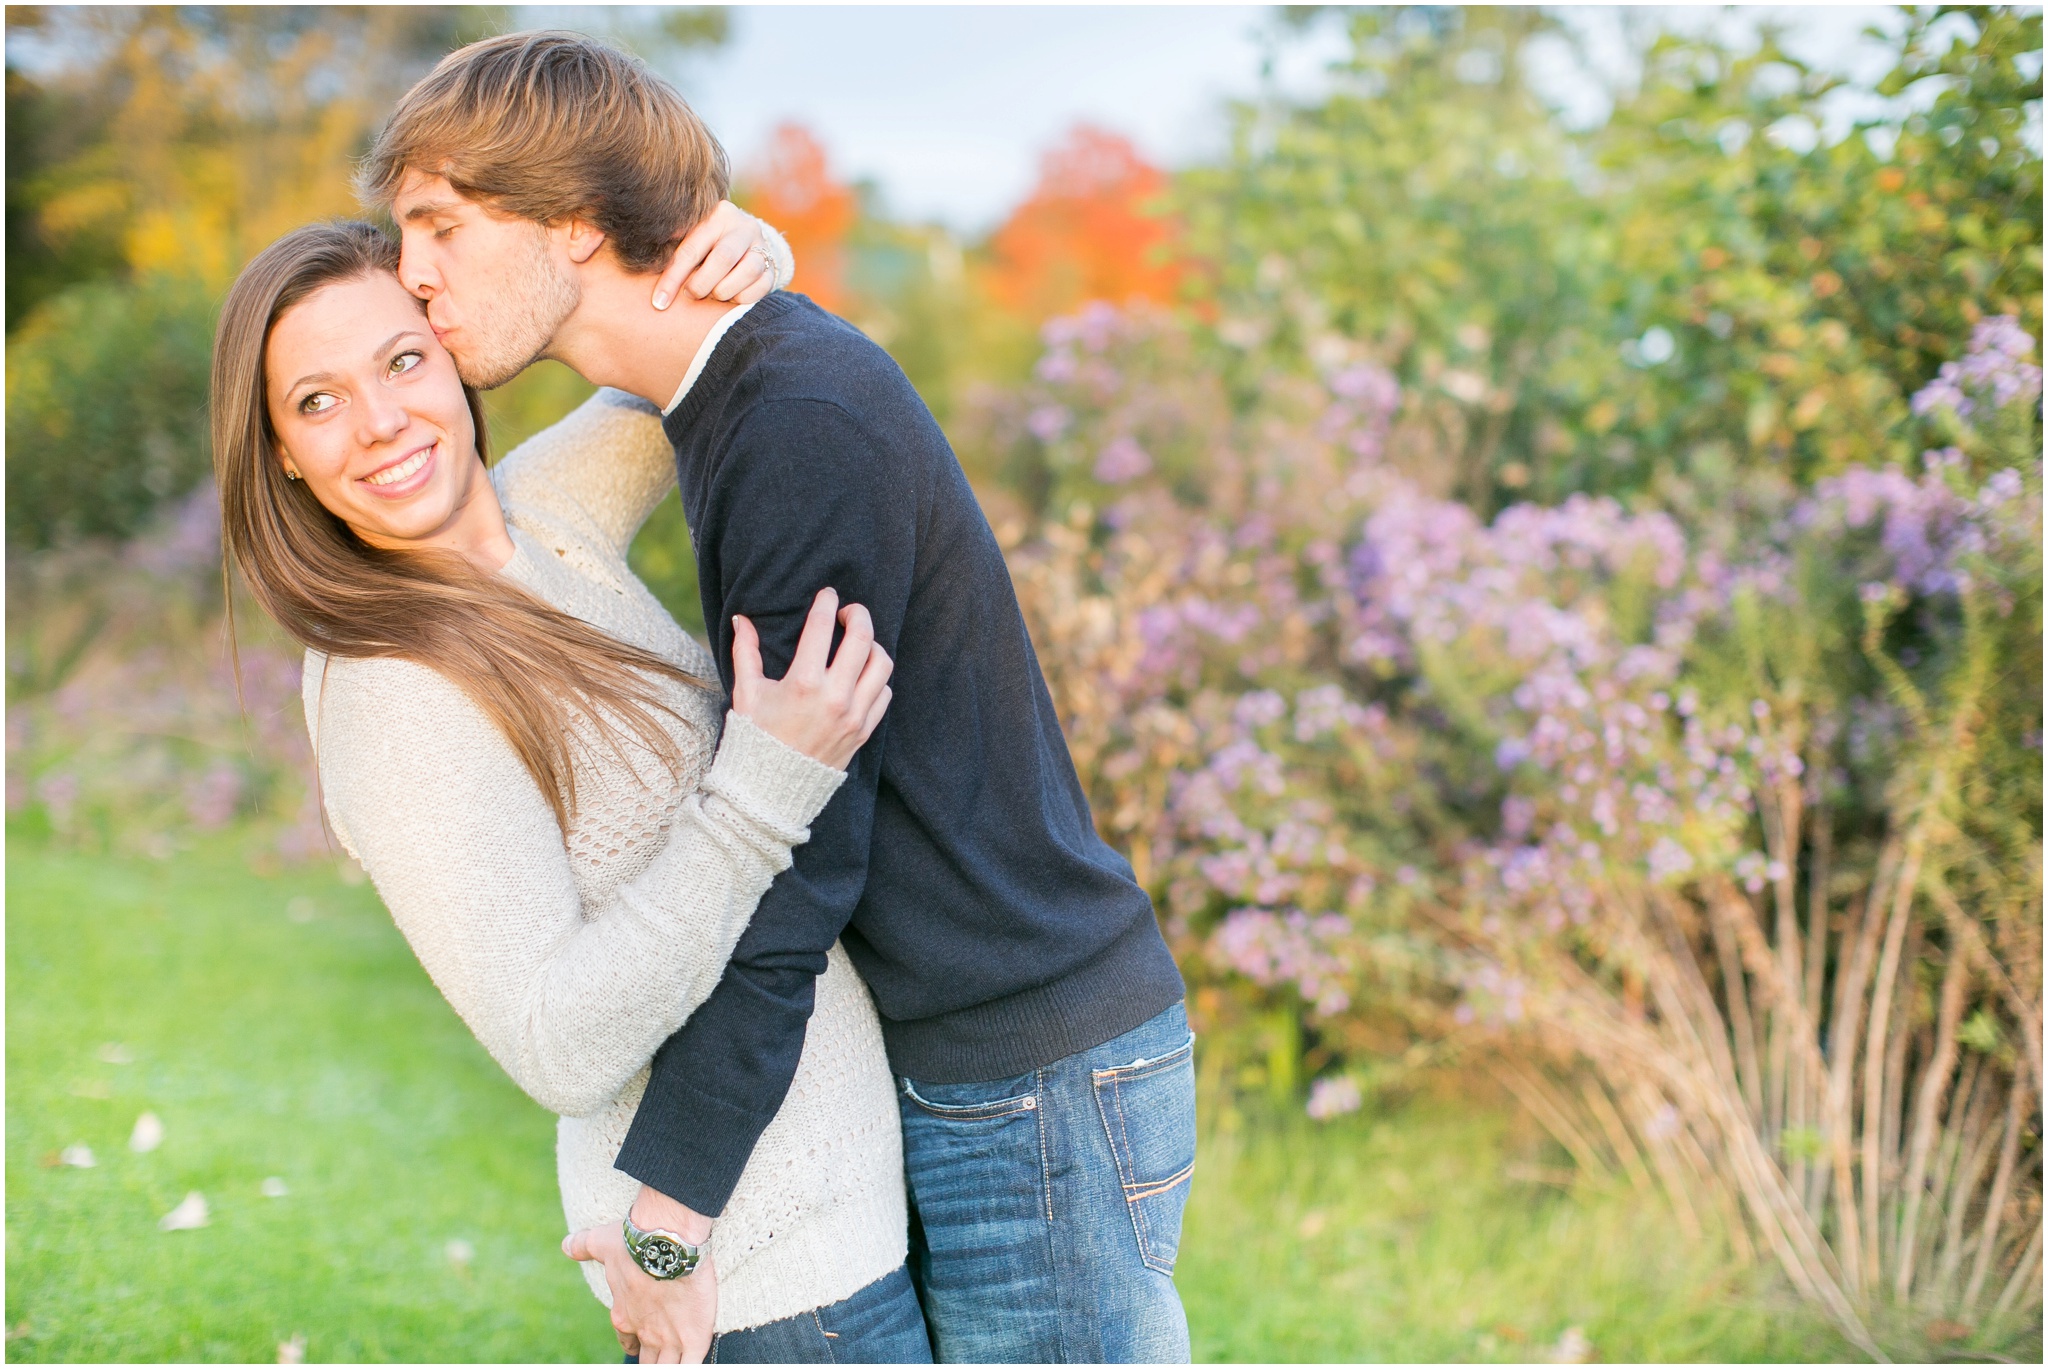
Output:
x=407 y=475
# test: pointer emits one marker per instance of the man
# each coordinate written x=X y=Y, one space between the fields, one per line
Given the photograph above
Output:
x=1031 y=1010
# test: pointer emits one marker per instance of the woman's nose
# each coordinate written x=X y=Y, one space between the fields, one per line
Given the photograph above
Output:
x=382 y=418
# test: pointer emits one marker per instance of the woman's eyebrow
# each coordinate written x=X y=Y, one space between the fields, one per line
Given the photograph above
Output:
x=382 y=350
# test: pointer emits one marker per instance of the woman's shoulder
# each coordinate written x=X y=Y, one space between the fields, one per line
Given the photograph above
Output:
x=394 y=698
x=610 y=420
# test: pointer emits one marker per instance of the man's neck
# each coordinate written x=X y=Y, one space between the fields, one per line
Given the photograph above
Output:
x=617 y=337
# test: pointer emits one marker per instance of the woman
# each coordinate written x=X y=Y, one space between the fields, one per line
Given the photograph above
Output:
x=526 y=754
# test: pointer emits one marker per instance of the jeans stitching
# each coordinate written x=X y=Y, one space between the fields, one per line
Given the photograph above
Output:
x=970 y=1112
x=824 y=1336
x=1119 y=1136
x=1138 y=1193
x=1118 y=1133
x=1052 y=1231
x=1150 y=1067
x=1044 y=1151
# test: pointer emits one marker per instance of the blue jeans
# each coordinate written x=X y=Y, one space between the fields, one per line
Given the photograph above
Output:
x=1046 y=1208
x=881 y=1324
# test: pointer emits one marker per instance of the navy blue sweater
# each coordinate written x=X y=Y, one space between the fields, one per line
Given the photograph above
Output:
x=959 y=863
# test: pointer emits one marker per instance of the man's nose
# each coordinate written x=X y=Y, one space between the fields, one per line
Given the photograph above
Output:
x=415 y=275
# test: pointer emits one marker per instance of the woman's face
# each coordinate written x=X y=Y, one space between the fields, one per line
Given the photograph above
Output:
x=368 y=411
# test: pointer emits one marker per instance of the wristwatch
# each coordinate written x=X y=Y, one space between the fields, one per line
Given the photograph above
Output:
x=663 y=1254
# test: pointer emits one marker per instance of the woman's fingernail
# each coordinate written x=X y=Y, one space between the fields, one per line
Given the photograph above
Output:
x=661 y=299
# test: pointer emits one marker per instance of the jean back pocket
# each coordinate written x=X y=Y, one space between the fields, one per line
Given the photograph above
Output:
x=1148 y=1109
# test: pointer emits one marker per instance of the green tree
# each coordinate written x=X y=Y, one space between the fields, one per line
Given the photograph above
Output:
x=1698 y=292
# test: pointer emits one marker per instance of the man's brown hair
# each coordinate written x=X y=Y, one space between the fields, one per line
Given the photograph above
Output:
x=548 y=126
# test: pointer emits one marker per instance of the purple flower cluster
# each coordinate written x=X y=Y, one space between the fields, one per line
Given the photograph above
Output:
x=1930 y=530
x=1998 y=370
x=1287 y=947
x=1333 y=1097
x=1278 y=690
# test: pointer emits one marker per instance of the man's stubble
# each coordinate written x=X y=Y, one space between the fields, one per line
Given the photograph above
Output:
x=516 y=324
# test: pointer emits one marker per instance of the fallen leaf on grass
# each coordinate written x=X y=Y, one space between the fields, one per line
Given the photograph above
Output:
x=1572 y=1348
x=1942 y=1331
x=274 y=1187
x=78 y=1157
x=189 y=1215
x=148 y=1134
x=20 y=1331
x=292 y=1351
x=459 y=1252
x=1312 y=1225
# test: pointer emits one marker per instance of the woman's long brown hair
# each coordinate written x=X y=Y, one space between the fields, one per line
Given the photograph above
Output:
x=532 y=669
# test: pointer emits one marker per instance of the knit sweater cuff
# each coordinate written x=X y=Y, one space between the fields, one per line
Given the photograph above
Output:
x=771 y=782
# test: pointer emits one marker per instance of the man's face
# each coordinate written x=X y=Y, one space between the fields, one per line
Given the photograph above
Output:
x=496 y=287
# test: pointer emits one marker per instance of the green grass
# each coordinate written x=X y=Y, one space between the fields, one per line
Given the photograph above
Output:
x=1401 y=1236
x=317 y=1051
x=314 y=1051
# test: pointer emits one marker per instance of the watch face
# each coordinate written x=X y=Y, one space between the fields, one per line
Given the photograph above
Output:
x=661 y=1257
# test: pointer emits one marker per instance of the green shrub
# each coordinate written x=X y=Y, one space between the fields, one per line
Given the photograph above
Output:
x=106 y=409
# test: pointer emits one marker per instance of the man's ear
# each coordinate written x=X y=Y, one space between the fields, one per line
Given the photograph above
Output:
x=582 y=238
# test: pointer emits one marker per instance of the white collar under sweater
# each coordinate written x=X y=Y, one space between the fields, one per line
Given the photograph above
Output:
x=704 y=351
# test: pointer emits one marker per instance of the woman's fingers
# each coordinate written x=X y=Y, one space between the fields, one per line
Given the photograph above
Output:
x=815 y=646
x=873 y=677
x=746 y=662
x=690 y=253
x=711 y=278
x=854 y=647
x=875 y=711
x=763 y=283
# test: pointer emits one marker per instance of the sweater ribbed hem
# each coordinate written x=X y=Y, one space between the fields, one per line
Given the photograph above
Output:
x=829 y=1256
x=1132 y=981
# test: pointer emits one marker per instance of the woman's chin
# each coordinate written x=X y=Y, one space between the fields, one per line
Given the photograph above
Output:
x=419 y=522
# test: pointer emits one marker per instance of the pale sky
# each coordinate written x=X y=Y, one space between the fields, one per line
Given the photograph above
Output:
x=948 y=107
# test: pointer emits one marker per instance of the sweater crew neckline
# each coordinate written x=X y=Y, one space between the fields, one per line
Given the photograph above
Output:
x=705 y=350
x=721 y=364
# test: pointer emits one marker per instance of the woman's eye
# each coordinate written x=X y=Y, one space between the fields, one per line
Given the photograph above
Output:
x=317 y=403
x=404 y=362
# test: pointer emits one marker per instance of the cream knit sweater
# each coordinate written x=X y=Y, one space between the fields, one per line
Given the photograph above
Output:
x=574 y=959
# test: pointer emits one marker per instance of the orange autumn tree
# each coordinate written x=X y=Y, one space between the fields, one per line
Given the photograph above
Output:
x=1085 y=233
x=791 y=186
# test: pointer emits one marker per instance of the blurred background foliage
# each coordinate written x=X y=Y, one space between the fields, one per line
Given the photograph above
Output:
x=1544 y=603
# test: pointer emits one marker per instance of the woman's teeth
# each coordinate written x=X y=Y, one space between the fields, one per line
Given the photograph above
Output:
x=392 y=474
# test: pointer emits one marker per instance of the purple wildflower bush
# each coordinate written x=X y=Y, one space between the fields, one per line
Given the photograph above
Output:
x=1717 y=841
x=125 y=727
